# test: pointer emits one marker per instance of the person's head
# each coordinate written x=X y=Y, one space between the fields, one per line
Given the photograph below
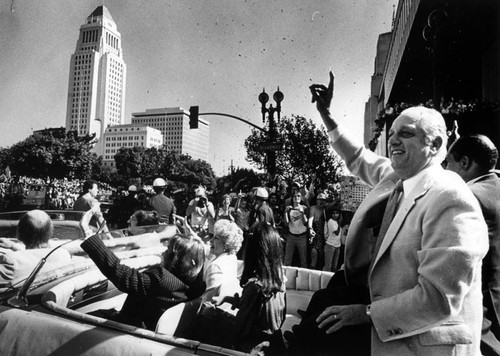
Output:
x=273 y=199
x=143 y=218
x=333 y=214
x=228 y=238
x=263 y=258
x=226 y=200
x=417 y=139
x=471 y=156
x=243 y=202
x=296 y=198
x=321 y=200
x=34 y=229
x=159 y=185
x=260 y=196
x=200 y=192
x=132 y=190
x=295 y=187
x=184 y=257
x=90 y=187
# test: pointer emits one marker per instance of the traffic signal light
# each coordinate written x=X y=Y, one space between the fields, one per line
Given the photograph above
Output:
x=193 y=117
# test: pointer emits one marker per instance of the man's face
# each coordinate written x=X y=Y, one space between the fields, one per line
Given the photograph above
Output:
x=94 y=191
x=320 y=202
x=408 y=149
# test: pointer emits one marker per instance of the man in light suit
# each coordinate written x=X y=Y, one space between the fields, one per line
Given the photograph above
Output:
x=17 y=261
x=424 y=277
x=473 y=158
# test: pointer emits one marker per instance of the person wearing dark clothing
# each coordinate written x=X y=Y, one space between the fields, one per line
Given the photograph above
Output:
x=473 y=158
x=261 y=210
x=179 y=278
x=126 y=207
x=161 y=204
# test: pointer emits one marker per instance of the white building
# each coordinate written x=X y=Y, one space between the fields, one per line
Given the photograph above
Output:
x=174 y=126
x=128 y=136
x=96 y=90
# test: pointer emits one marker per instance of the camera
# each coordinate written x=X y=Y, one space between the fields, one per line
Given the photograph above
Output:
x=202 y=202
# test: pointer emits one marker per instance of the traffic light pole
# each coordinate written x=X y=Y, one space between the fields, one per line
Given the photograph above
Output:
x=271 y=132
x=234 y=117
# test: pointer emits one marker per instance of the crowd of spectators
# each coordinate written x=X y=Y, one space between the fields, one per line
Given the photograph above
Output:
x=60 y=194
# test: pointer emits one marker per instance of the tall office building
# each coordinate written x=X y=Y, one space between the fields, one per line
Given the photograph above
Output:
x=96 y=90
x=174 y=126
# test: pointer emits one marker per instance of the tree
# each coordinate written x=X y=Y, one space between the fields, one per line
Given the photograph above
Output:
x=129 y=161
x=55 y=154
x=149 y=163
x=306 y=152
x=241 y=179
x=182 y=168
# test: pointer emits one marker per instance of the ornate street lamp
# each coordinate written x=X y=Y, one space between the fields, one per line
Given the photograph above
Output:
x=271 y=146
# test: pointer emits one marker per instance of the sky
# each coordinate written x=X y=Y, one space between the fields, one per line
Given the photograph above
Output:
x=218 y=55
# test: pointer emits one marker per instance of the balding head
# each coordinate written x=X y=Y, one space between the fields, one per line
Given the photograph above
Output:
x=35 y=229
x=417 y=139
x=433 y=125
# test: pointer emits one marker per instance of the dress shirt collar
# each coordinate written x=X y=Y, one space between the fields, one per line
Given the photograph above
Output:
x=412 y=182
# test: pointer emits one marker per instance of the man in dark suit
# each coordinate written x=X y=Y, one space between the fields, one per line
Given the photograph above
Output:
x=423 y=270
x=473 y=158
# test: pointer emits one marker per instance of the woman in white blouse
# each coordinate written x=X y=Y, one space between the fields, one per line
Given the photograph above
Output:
x=221 y=273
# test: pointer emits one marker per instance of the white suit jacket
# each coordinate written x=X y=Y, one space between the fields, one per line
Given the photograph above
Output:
x=425 y=283
x=17 y=265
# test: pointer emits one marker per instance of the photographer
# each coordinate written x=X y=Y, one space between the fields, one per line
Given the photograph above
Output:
x=296 y=220
x=201 y=214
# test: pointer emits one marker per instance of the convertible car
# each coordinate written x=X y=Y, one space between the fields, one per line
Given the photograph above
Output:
x=48 y=314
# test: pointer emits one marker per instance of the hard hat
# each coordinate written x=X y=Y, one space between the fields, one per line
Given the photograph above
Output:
x=159 y=182
x=261 y=193
x=132 y=188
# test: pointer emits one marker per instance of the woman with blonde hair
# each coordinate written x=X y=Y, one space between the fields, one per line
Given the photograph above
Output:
x=221 y=274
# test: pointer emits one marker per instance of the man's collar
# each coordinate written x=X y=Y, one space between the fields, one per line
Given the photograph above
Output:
x=474 y=180
x=412 y=182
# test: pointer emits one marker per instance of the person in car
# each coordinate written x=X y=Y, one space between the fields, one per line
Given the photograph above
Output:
x=143 y=218
x=34 y=230
x=261 y=307
x=179 y=278
x=222 y=269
